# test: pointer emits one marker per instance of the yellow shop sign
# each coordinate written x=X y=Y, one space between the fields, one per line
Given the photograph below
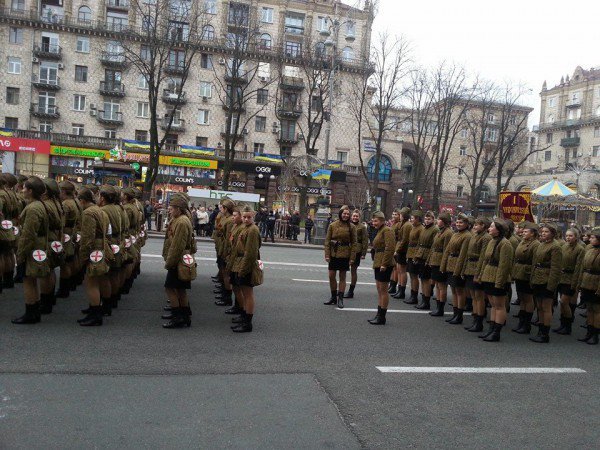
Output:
x=188 y=162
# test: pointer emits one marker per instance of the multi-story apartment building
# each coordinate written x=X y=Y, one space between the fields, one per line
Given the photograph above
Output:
x=65 y=79
x=568 y=136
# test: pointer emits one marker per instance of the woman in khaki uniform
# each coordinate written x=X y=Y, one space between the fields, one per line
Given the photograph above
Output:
x=396 y=227
x=95 y=253
x=572 y=257
x=340 y=251
x=424 y=249
x=223 y=234
x=468 y=263
x=440 y=241
x=133 y=218
x=521 y=274
x=545 y=276
x=383 y=264
x=458 y=243
x=108 y=202
x=400 y=253
x=493 y=271
x=362 y=242
x=413 y=268
x=588 y=282
x=9 y=213
x=32 y=249
x=246 y=251
x=179 y=242
x=238 y=305
x=72 y=218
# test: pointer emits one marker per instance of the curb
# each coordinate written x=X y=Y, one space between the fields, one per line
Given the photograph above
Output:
x=154 y=235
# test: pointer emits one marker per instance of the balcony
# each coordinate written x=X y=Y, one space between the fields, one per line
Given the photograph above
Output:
x=573 y=103
x=240 y=132
x=44 y=111
x=50 y=84
x=177 y=125
x=173 y=69
x=83 y=141
x=112 y=89
x=292 y=83
x=115 y=60
x=119 y=5
x=289 y=111
x=570 y=142
x=287 y=138
x=173 y=97
x=110 y=117
x=48 y=51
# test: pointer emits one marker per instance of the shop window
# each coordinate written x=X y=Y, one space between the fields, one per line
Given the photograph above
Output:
x=385 y=168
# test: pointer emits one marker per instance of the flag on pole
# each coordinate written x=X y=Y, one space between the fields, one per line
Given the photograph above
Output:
x=321 y=174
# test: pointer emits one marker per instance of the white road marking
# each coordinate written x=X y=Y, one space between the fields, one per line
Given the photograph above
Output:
x=326 y=281
x=527 y=370
x=404 y=311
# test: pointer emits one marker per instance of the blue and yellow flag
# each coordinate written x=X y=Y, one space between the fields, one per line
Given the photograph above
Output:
x=129 y=144
x=194 y=150
x=334 y=163
x=7 y=132
x=267 y=157
x=321 y=174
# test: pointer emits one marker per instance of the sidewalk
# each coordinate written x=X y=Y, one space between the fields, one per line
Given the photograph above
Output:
x=283 y=243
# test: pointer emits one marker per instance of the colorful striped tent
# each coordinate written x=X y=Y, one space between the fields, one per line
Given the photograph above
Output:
x=553 y=188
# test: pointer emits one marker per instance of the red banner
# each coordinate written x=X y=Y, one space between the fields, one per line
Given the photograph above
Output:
x=448 y=208
x=516 y=206
x=13 y=144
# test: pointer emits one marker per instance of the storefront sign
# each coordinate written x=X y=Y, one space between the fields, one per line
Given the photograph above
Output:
x=218 y=195
x=250 y=168
x=137 y=157
x=188 y=162
x=78 y=152
x=13 y=144
x=233 y=184
x=516 y=206
x=184 y=180
x=309 y=190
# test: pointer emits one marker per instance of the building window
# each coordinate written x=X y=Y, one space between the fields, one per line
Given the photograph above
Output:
x=78 y=102
x=550 y=118
x=350 y=28
x=12 y=123
x=206 y=89
x=385 y=168
x=206 y=61
x=574 y=153
x=83 y=44
x=238 y=14
x=288 y=130
x=84 y=15
x=265 y=41
x=459 y=191
x=78 y=129
x=549 y=138
x=12 y=95
x=596 y=131
x=145 y=53
x=18 y=6
x=551 y=102
x=342 y=156
x=513 y=120
x=210 y=6
x=348 y=54
x=208 y=33
x=316 y=103
x=285 y=150
x=14 y=65
x=322 y=23
x=460 y=172
x=46 y=127
x=259 y=148
x=81 y=73
x=293 y=49
x=294 y=23
x=262 y=96
x=266 y=15
x=491 y=134
x=260 y=123
x=548 y=155
x=464 y=133
x=595 y=150
x=463 y=150
x=15 y=35
x=203 y=117
x=110 y=133
x=141 y=135
x=143 y=109
x=201 y=141
x=142 y=82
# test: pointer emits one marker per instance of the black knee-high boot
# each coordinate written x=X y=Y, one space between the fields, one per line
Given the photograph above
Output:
x=350 y=293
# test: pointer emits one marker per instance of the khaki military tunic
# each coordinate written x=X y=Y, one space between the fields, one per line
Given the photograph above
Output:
x=235 y=231
x=413 y=241
x=440 y=241
x=496 y=263
x=72 y=217
x=459 y=241
x=94 y=226
x=246 y=249
x=572 y=258
x=468 y=260
x=383 y=248
x=8 y=212
x=589 y=272
x=521 y=270
x=117 y=229
x=55 y=231
x=402 y=243
x=426 y=239
x=34 y=236
x=546 y=265
x=362 y=239
x=341 y=240
x=178 y=241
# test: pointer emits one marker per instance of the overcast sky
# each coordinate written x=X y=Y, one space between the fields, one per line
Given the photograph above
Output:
x=526 y=41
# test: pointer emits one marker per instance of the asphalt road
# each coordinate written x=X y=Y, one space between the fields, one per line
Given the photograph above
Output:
x=307 y=377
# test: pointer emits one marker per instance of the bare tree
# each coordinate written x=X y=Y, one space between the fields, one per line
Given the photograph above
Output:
x=162 y=48
x=243 y=89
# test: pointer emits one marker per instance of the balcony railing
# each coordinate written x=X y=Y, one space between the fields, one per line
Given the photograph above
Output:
x=110 y=117
x=45 y=83
x=111 y=59
x=573 y=103
x=570 y=142
x=173 y=97
x=112 y=89
x=174 y=69
x=118 y=4
x=287 y=138
x=292 y=83
x=87 y=141
x=176 y=124
x=292 y=111
x=48 y=51
x=44 y=111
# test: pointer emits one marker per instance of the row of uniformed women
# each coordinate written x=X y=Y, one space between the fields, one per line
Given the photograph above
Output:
x=237 y=243
x=59 y=227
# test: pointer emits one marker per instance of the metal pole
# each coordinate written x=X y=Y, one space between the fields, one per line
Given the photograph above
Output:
x=576 y=194
x=328 y=128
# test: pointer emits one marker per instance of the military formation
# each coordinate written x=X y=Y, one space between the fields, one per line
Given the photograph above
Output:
x=90 y=235
x=480 y=260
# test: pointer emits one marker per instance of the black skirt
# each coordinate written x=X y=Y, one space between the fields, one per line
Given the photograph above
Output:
x=414 y=267
x=491 y=289
x=437 y=275
x=173 y=282
x=341 y=264
x=523 y=287
x=383 y=276
x=456 y=282
x=589 y=296
x=236 y=280
x=541 y=292
x=425 y=272
x=400 y=258
x=566 y=289
x=357 y=260
x=471 y=285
